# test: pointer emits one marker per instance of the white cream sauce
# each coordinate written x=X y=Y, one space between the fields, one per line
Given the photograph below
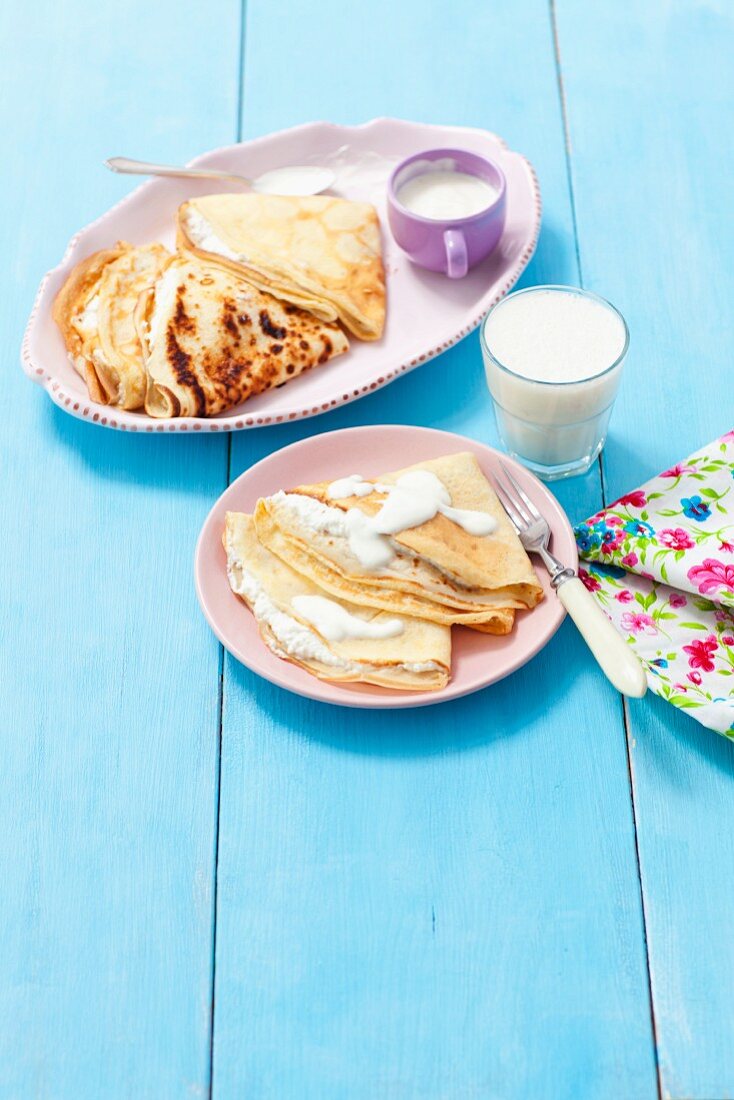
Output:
x=335 y=623
x=445 y=195
x=323 y=519
x=414 y=499
x=352 y=486
x=305 y=179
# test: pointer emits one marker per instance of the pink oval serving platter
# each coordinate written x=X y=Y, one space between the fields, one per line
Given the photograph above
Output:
x=426 y=312
x=478 y=659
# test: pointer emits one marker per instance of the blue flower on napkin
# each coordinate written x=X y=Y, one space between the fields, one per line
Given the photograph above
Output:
x=695 y=508
x=608 y=534
x=640 y=528
x=587 y=539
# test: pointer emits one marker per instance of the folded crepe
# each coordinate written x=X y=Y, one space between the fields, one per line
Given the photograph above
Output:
x=331 y=638
x=94 y=310
x=318 y=252
x=212 y=340
x=436 y=570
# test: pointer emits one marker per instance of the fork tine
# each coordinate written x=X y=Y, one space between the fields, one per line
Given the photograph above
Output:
x=517 y=504
x=534 y=513
x=507 y=503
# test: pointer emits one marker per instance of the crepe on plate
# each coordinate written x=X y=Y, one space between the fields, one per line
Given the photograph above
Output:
x=418 y=658
x=212 y=340
x=94 y=310
x=318 y=252
x=439 y=571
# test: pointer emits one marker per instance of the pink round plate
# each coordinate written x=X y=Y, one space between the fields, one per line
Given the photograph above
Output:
x=478 y=659
x=426 y=312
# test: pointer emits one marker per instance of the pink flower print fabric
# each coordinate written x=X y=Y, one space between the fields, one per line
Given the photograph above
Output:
x=660 y=561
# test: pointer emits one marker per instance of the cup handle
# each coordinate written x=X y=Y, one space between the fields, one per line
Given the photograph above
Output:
x=457 y=262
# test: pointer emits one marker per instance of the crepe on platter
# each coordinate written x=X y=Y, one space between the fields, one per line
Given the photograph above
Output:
x=94 y=310
x=436 y=570
x=212 y=340
x=416 y=656
x=318 y=252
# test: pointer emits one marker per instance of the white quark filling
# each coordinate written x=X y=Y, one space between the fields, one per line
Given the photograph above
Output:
x=201 y=233
x=164 y=298
x=88 y=323
x=315 y=516
x=372 y=551
x=89 y=318
x=293 y=639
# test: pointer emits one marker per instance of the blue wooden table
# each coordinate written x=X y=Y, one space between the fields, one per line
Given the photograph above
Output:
x=210 y=887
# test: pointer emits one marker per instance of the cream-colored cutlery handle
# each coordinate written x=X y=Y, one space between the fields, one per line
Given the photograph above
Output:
x=617 y=661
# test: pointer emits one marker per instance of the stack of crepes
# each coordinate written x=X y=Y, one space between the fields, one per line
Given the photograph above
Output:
x=359 y=580
x=261 y=289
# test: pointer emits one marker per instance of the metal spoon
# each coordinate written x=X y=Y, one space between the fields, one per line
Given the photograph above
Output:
x=303 y=179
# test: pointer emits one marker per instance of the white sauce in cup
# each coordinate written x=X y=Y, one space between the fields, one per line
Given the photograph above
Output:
x=445 y=195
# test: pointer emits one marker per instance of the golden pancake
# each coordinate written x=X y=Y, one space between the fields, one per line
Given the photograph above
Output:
x=318 y=252
x=94 y=310
x=407 y=654
x=438 y=570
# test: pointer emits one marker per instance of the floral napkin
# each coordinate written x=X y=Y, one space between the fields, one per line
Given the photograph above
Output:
x=661 y=564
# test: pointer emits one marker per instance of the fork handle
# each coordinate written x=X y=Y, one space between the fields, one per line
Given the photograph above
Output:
x=617 y=661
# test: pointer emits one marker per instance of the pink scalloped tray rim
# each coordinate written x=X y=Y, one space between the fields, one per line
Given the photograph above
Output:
x=102 y=415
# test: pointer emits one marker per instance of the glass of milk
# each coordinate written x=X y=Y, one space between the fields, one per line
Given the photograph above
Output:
x=553 y=357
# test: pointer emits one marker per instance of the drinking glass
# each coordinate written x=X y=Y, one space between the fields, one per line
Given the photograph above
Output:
x=555 y=428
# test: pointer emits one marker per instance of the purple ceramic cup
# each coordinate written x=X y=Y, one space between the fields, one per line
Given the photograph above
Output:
x=451 y=246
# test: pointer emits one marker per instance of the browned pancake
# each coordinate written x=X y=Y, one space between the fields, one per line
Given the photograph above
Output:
x=212 y=341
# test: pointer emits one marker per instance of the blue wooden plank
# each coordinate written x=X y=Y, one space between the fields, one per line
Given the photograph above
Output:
x=108 y=675
x=441 y=903
x=650 y=90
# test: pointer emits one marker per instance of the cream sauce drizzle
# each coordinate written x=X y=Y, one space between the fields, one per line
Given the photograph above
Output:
x=352 y=486
x=414 y=499
x=335 y=623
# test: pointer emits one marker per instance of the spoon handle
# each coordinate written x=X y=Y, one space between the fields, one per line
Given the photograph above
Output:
x=143 y=168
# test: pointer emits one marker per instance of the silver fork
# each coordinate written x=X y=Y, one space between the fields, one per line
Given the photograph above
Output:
x=616 y=659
